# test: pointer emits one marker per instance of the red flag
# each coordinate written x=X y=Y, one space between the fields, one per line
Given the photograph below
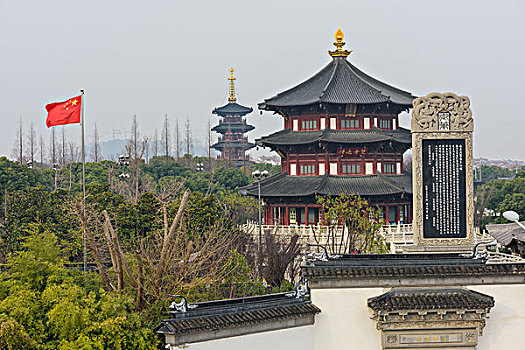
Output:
x=62 y=113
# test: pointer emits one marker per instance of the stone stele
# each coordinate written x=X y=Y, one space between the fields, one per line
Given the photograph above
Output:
x=443 y=214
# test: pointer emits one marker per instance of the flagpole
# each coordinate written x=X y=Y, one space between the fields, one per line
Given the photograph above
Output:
x=83 y=174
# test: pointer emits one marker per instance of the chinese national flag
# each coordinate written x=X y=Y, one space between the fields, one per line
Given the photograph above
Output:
x=62 y=113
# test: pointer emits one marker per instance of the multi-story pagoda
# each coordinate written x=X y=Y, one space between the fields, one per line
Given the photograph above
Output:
x=341 y=135
x=232 y=126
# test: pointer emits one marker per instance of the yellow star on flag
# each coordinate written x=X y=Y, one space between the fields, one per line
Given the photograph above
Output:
x=74 y=102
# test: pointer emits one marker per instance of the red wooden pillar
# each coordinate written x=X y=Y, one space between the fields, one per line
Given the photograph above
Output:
x=306 y=215
x=287 y=216
x=387 y=215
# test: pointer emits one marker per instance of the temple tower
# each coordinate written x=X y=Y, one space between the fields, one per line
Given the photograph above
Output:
x=232 y=143
x=341 y=135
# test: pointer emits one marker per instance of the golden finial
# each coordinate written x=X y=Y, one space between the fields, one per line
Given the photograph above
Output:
x=232 y=97
x=339 y=53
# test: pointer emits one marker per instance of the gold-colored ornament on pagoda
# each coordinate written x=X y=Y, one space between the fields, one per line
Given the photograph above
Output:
x=232 y=97
x=339 y=53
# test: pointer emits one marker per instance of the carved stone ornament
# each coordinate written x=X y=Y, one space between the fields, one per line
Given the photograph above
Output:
x=442 y=112
x=425 y=328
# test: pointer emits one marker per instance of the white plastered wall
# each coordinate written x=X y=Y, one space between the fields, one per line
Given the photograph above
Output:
x=292 y=338
x=344 y=322
x=506 y=320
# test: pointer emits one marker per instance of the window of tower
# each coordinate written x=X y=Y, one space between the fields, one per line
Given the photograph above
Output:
x=308 y=124
x=389 y=168
x=307 y=169
x=385 y=124
x=349 y=123
x=351 y=168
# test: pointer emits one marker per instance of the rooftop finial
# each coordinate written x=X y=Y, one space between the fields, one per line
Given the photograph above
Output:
x=339 y=53
x=232 y=97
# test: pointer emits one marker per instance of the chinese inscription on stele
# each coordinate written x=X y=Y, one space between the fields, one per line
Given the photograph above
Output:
x=444 y=188
x=442 y=129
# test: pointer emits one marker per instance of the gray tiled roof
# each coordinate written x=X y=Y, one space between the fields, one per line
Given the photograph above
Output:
x=339 y=82
x=409 y=266
x=430 y=298
x=232 y=144
x=282 y=185
x=232 y=108
x=221 y=314
x=505 y=233
x=232 y=127
x=288 y=137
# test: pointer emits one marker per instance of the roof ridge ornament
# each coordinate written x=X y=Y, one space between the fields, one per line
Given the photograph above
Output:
x=339 y=53
x=232 y=79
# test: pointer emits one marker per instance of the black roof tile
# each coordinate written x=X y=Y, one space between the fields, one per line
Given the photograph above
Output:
x=505 y=233
x=288 y=137
x=232 y=108
x=222 y=144
x=282 y=185
x=232 y=127
x=434 y=298
x=339 y=82
x=221 y=314
x=406 y=265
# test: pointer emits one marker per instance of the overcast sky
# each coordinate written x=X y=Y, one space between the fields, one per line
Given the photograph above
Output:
x=154 y=57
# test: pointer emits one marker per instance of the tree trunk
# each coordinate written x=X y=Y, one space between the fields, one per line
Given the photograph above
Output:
x=94 y=250
x=138 y=301
x=169 y=237
x=120 y=254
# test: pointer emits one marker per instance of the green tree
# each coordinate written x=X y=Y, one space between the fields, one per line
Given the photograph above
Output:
x=16 y=177
x=359 y=221
x=515 y=202
x=44 y=305
x=497 y=196
x=237 y=207
x=158 y=167
x=13 y=336
x=230 y=178
x=493 y=172
x=37 y=206
x=199 y=182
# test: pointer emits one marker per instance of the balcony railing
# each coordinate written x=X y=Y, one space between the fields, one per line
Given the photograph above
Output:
x=397 y=235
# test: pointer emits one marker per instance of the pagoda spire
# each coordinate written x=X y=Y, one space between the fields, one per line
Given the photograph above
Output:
x=339 y=53
x=232 y=97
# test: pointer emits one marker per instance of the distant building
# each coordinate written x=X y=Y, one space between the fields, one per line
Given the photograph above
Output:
x=511 y=236
x=232 y=143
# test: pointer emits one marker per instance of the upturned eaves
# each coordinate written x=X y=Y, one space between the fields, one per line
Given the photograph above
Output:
x=232 y=108
x=289 y=138
x=339 y=82
x=283 y=185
